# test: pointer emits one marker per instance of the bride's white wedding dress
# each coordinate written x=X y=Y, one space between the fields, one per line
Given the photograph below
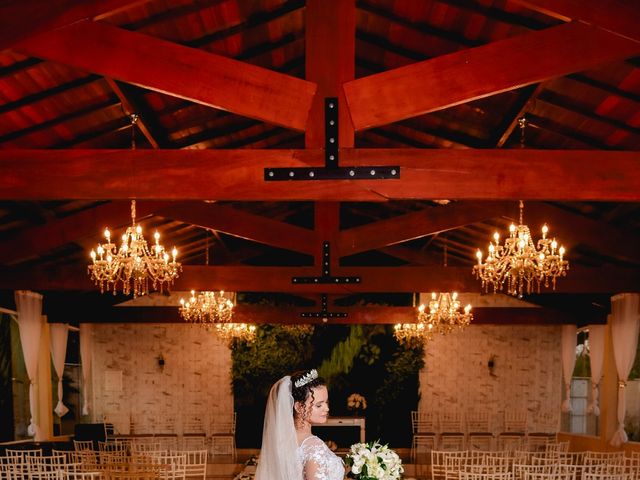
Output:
x=330 y=466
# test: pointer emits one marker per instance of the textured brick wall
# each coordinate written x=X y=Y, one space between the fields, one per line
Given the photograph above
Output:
x=527 y=373
x=195 y=380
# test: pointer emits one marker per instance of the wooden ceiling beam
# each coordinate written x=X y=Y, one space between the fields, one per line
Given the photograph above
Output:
x=482 y=174
x=36 y=241
x=31 y=17
x=583 y=280
x=200 y=76
x=245 y=225
x=479 y=72
x=131 y=106
x=572 y=229
x=618 y=16
x=422 y=223
x=259 y=314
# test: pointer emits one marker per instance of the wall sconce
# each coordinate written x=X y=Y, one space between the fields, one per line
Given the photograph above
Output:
x=161 y=362
x=491 y=364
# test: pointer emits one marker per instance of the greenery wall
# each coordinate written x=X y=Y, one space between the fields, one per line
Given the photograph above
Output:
x=364 y=359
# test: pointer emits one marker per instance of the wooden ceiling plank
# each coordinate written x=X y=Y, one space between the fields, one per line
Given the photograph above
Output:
x=618 y=16
x=410 y=226
x=483 y=174
x=584 y=280
x=369 y=315
x=31 y=17
x=238 y=223
x=35 y=241
x=201 y=77
x=479 y=72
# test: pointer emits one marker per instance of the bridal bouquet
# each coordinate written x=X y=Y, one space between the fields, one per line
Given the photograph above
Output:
x=373 y=461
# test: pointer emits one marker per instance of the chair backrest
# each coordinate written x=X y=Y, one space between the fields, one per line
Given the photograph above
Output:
x=609 y=458
x=478 y=421
x=515 y=420
x=31 y=452
x=450 y=421
x=221 y=425
x=79 y=445
x=424 y=422
x=193 y=424
x=196 y=442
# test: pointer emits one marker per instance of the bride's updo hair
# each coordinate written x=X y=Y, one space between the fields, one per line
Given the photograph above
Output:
x=303 y=382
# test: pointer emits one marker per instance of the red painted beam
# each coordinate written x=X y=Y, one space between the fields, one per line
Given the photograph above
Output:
x=618 y=16
x=565 y=175
x=26 y=18
x=374 y=279
x=254 y=314
x=199 y=76
x=479 y=72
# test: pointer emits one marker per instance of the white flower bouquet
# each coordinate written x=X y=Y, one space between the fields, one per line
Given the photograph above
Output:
x=355 y=401
x=373 y=461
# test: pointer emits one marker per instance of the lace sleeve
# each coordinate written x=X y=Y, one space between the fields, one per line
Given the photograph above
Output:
x=320 y=463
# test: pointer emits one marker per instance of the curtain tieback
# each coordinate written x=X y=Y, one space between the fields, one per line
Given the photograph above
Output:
x=622 y=384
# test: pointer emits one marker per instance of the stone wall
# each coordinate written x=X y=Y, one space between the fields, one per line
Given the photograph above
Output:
x=526 y=372
x=130 y=385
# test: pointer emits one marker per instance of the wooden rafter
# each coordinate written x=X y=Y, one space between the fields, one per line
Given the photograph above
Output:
x=31 y=17
x=83 y=225
x=416 y=225
x=582 y=280
x=426 y=174
x=619 y=16
x=245 y=225
x=478 y=72
x=200 y=76
x=131 y=107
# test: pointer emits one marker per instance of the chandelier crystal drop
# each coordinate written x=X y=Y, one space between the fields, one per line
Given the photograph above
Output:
x=444 y=314
x=208 y=307
x=228 y=332
x=520 y=264
x=412 y=334
x=133 y=266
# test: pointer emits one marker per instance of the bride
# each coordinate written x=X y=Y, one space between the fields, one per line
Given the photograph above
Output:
x=289 y=450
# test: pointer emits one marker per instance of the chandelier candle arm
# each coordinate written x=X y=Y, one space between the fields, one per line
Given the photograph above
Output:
x=132 y=267
x=521 y=264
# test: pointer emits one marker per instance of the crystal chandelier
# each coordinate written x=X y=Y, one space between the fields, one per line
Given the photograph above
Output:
x=414 y=334
x=133 y=266
x=235 y=331
x=520 y=263
x=444 y=313
x=208 y=307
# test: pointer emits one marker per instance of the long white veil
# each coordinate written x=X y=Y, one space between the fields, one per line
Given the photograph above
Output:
x=278 y=456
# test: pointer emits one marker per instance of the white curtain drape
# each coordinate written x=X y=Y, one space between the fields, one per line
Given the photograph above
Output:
x=86 y=348
x=29 y=307
x=59 y=334
x=568 y=361
x=596 y=357
x=625 y=324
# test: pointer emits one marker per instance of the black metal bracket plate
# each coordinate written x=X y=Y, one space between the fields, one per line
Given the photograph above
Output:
x=324 y=312
x=331 y=169
x=326 y=272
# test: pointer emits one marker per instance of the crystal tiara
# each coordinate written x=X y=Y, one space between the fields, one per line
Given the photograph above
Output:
x=306 y=378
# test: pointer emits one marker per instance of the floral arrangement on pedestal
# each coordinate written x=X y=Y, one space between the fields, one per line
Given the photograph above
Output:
x=356 y=403
x=373 y=461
